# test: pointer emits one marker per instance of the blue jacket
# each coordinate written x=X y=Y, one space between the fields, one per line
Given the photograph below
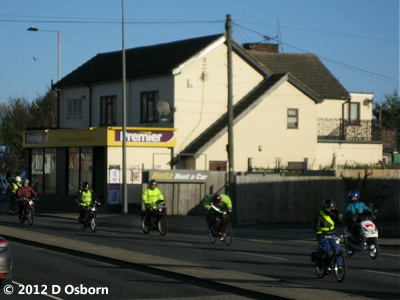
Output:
x=358 y=208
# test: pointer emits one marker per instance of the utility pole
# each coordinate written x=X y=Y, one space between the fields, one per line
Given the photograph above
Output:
x=231 y=182
x=124 y=184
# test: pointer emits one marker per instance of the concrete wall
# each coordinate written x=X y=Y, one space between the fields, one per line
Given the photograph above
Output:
x=346 y=154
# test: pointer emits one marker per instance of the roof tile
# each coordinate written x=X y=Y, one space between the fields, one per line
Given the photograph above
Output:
x=145 y=61
x=307 y=69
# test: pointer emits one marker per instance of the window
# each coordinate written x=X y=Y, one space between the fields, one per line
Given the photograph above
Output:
x=79 y=168
x=73 y=171
x=149 y=107
x=86 y=164
x=44 y=171
x=217 y=165
x=75 y=108
x=354 y=113
x=108 y=112
x=292 y=118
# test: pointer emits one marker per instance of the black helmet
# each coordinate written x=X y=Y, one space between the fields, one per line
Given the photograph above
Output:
x=85 y=184
x=152 y=183
x=328 y=204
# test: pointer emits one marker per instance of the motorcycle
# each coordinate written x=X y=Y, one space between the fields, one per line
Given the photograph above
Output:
x=333 y=262
x=90 y=216
x=367 y=241
x=154 y=219
x=27 y=207
x=214 y=229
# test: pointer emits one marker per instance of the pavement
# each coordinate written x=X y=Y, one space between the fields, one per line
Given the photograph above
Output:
x=260 y=285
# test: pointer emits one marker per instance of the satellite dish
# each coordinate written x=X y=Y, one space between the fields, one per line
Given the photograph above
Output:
x=164 y=109
x=367 y=101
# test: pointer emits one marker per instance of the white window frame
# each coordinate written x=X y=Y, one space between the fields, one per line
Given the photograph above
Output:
x=354 y=115
x=292 y=118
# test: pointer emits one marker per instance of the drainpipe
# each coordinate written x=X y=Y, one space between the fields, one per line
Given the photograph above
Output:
x=90 y=105
x=344 y=103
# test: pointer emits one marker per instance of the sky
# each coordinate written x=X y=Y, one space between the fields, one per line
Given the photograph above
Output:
x=357 y=40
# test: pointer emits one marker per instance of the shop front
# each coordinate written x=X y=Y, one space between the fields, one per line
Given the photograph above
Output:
x=58 y=161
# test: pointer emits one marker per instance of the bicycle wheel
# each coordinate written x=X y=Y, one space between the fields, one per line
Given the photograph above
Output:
x=339 y=267
x=228 y=234
x=30 y=215
x=212 y=236
x=320 y=268
x=162 y=225
x=146 y=224
x=82 y=225
x=22 y=217
x=93 y=224
x=320 y=271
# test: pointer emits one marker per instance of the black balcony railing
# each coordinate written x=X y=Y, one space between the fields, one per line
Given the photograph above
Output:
x=343 y=130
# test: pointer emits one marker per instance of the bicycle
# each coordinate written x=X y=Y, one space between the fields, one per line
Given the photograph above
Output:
x=333 y=262
x=154 y=219
x=222 y=227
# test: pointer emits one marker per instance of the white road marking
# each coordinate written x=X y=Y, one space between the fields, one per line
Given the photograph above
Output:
x=183 y=244
x=281 y=241
x=384 y=273
x=260 y=255
x=391 y=255
x=262 y=241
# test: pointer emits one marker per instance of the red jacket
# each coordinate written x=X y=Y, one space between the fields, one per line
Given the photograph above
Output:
x=26 y=192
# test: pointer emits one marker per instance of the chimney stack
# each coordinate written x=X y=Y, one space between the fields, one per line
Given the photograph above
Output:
x=274 y=48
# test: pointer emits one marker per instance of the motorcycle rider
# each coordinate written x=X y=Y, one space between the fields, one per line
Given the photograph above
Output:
x=27 y=192
x=86 y=197
x=324 y=224
x=15 y=184
x=224 y=203
x=355 y=208
x=151 y=195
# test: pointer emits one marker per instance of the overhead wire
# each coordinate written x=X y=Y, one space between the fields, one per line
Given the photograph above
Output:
x=325 y=32
x=268 y=38
x=109 y=21
x=24 y=19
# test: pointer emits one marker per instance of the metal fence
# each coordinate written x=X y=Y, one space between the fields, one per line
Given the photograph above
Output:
x=344 y=130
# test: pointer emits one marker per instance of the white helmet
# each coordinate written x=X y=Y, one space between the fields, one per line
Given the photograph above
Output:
x=18 y=179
